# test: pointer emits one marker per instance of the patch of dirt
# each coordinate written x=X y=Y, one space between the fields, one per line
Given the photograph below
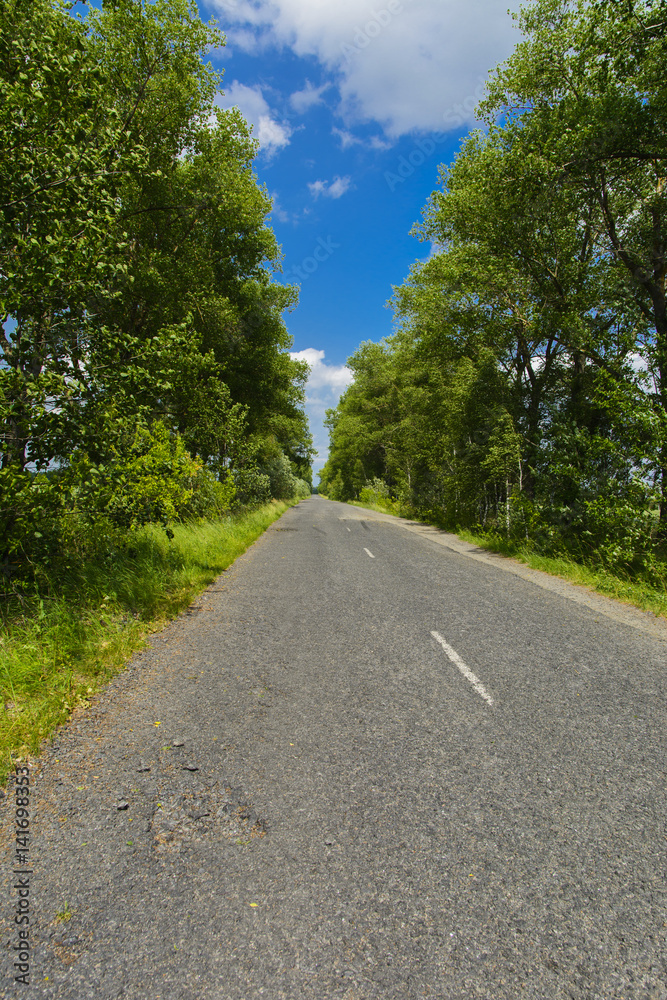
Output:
x=193 y=815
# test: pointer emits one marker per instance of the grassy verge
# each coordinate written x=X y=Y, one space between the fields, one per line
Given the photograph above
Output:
x=57 y=654
x=640 y=593
x=382 y=508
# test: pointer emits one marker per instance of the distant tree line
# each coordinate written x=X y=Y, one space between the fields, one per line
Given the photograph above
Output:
x=145 y=373
x=525 y=388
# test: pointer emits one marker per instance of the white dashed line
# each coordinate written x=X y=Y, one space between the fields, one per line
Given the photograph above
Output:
x=369 y=553
x=466 y=671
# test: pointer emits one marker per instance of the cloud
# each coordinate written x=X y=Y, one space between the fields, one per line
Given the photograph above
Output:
x=325 y=385
x=273 y=135
x=347 y=139
x=638 y=363
x=375 y=142
x=411 y=65
x=335 y=189
x=336 y=377
x=280 y=213
x=304 y=100
x=248 y=41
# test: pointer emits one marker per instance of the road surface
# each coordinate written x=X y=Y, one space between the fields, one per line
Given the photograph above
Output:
x=364 y=765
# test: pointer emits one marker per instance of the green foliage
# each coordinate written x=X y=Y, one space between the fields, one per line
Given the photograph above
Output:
x=583 y=93
x=30 y=508
x=55 y=653
x=144 y=353
x=375 y=492
x=376 y=496
x=282 y=481
x=156 y=481
x=252 y=487
x=523 y=392
x=302 y=489
x=63 y=160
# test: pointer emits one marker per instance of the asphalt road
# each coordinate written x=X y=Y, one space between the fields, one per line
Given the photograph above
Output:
x=405 y=772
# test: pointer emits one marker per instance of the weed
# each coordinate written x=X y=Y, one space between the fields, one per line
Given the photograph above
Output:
x=65 y=914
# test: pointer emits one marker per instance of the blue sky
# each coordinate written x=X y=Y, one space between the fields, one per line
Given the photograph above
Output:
x=355 y=105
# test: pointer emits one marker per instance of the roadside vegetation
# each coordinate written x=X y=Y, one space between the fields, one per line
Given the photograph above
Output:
x=523 y=395
x=630 y=588
x=58 y=647
x=150 y=411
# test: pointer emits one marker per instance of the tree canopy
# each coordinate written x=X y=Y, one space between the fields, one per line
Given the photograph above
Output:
x=529 y=357
x=138 y=290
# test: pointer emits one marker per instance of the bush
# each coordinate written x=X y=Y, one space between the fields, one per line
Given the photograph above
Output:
x=211 y=498
x=336 y=488
x=282 y=479
x=253 y=488
x=376 y=492
x=153 y=483
x=619 y=531
x=30 y=507
x=302 y=489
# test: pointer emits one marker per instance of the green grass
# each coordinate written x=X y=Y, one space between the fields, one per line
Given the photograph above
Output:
x=56 y=653
x=640 y=593
x=386 y=507
x=631 y=590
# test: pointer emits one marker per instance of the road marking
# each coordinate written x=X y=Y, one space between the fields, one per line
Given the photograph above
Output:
x=597 y=603
x=369 y=553
x=349 y=529
x=466 y=671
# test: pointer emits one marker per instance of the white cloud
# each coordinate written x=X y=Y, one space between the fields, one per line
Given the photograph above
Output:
x=273 y=135
x=348 y=139
x=638 y=363
x=335 y=189
x=325 y=385
x=248 y=41
x=336 y=377
x=280 y=213
x=409 y=64
x=375 y=142
x=303 y=100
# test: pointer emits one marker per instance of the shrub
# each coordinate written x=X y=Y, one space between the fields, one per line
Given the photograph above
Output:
x=253 y=488
x=211 y=497
x=153 y=482
x=282 y=479
x=302 y=489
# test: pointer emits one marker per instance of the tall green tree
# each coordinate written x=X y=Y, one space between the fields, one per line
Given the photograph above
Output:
x=137 y=270
x=585 y=92
x=65 y=155
x=538 y=317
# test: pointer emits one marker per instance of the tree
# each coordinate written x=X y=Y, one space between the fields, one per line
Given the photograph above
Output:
x=585 y=89
x=64 y=155
x=136 y=266
x=527 y=376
